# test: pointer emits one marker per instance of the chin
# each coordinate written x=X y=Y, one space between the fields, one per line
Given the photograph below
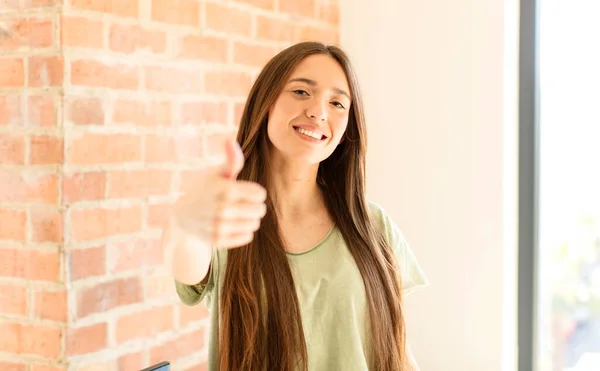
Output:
x=305 y=157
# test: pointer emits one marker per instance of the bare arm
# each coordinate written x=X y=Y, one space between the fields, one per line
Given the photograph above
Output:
x=218 y=211
x=186 y=258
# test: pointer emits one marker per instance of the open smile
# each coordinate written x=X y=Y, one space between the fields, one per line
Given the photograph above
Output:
x=309 y=135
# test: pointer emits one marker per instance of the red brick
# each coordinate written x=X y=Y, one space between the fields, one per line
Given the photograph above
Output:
x=23 y=186
x=46 y=225
x=319 y=34
x=11 y=5
x=46 y=150
x=200 y=113
x=93 y=149
x=189 y=314
x=158 y=285
x=13 y=366
x=263 y=4
x=47 y=368
x=145 y=324
x=12 y=72
x=82 y=32
x=159 y=214
x=91 y=224
x=136 y=254
x=204 y=47
x=51 y=305
x=228 y=19
x=13 y=300
x=304 y=8
x=29 y=264
x=201 y=367
x=149 y=113
x=39 y=32
x=189 y=148
x=328 y=11
x=159 y=149
x=27 y=33
x=84 y=187
x=230 y=83
x=46 y=71
x=238 y=111
x=11 y=110
x=40 y=4
x=97 y=366
x=136 y=184
x=185 y=12
x=275 y=29
x=42 y=110
x=85 y=111
x=14 y=223
x=131 y=38
x=88 y=262
x=131 y=361
x=252 y=55
x=96 y=74
x=37 y=340
x=173 y=80
x=108 y=295
x=12 y=149
x=121 y=8
x=88 y=339
x=182 y=346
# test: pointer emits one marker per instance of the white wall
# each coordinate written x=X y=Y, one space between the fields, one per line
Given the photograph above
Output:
x=439 y=79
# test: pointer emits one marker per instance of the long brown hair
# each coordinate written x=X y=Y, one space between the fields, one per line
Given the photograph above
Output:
x=261 y=327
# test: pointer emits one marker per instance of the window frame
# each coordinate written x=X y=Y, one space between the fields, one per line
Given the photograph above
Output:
x=529 y=151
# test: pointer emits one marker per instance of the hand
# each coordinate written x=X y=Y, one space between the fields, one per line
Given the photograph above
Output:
x=223 y=212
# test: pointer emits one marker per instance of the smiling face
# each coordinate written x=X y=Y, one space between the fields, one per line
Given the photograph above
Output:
x=310 y=116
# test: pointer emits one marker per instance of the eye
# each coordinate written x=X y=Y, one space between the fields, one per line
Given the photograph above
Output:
x=338 y=105
x=300 y=92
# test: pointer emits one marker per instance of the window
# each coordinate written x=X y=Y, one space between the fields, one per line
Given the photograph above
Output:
x=559 y=267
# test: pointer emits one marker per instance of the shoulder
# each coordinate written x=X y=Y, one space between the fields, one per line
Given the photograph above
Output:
x=412 y=275
x=377 y=212
x=383 y=221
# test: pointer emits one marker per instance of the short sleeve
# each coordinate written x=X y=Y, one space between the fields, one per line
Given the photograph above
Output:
x=194 y=294
x=411 y=273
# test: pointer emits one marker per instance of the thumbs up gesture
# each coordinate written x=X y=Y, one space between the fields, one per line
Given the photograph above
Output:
x=221 y=211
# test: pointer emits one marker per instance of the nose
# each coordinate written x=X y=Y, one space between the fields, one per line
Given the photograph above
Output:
x=317 y=110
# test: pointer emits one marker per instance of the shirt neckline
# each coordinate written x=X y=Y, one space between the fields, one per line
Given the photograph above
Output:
x=319 y=244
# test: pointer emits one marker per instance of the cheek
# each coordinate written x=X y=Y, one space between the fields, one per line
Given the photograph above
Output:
x=279 y=113
x=338 y=126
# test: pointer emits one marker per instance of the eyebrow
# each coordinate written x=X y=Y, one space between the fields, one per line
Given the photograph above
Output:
x=314 y=83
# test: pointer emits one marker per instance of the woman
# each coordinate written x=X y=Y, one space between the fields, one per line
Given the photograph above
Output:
x=298 y=269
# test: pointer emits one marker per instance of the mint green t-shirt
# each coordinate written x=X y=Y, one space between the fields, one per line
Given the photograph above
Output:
x=331 y=295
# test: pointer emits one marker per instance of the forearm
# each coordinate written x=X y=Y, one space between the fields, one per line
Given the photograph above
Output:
x=186 y=258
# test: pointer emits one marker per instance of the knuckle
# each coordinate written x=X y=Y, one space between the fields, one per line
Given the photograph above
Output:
x=226 y=193
x=221 y=211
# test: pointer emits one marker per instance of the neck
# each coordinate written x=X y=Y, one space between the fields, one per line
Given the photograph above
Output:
x=295 y=190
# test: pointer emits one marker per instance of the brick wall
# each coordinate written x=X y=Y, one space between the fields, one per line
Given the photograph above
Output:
x=94 y=96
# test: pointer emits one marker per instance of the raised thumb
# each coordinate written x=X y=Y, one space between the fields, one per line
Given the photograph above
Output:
x=234 y=159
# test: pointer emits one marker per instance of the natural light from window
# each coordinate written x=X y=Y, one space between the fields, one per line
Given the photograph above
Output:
x=568 y=305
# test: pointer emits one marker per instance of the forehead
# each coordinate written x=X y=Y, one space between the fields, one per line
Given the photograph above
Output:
x=324 y=70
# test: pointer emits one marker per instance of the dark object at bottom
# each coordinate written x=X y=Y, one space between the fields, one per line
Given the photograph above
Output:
x=163 y=366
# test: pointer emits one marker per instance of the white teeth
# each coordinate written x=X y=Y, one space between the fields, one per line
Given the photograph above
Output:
x=309 y=133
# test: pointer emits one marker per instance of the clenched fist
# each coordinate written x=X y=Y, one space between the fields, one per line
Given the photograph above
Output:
x=221 y=211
